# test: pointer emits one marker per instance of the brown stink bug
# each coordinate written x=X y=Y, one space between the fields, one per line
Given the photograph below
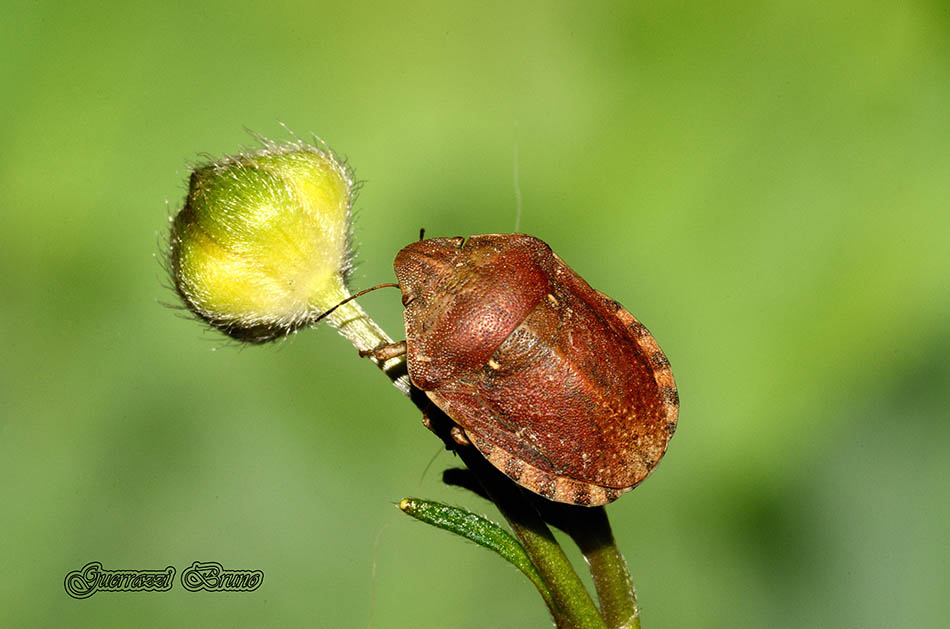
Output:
x=555 y=383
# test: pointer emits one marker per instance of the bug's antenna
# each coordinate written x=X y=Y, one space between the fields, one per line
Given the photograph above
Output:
x=422 y=233
x=352 y=297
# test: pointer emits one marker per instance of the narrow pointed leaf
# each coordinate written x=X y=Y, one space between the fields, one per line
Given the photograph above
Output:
x=480 y=530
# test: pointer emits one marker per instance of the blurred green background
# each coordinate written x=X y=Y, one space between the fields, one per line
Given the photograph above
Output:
x=764 y=185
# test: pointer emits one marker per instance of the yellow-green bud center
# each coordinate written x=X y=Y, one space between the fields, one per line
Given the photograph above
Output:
x=261 y=246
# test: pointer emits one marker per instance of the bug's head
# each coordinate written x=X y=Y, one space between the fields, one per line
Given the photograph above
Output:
x=421 y=265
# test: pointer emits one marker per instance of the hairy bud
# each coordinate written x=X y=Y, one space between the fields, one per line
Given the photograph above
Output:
x=262 y=245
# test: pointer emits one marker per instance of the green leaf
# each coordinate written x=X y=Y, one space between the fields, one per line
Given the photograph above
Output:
x=480 y=530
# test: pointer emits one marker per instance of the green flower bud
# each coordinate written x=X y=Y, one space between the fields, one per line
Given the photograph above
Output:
x=262 y=245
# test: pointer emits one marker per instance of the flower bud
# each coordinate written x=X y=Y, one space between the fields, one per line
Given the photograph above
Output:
x=262 y=244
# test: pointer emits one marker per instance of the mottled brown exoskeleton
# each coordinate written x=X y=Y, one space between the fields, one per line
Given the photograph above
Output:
x=555 y=383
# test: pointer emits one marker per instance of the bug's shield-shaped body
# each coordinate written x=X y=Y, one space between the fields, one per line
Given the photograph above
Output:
x=555 y=383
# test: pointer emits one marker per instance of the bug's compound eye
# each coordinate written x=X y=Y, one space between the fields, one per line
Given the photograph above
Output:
x=408 y=299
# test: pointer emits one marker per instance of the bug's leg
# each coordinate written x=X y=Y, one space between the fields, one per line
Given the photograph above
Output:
x=385 y=351
x=458 y=436
x=427 y=420
x=456 y=432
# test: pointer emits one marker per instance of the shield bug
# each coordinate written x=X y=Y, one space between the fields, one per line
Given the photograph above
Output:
x=555 y=383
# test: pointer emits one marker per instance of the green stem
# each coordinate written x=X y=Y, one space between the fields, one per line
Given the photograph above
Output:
x=618 y=600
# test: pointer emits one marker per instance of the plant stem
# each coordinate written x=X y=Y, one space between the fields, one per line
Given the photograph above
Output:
x=352 y=322
x=590 y=530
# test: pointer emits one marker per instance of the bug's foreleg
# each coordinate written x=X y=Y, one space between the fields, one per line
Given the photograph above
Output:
x=385 y=351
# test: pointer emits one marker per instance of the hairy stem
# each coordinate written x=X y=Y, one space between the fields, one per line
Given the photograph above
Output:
x=353 y=323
